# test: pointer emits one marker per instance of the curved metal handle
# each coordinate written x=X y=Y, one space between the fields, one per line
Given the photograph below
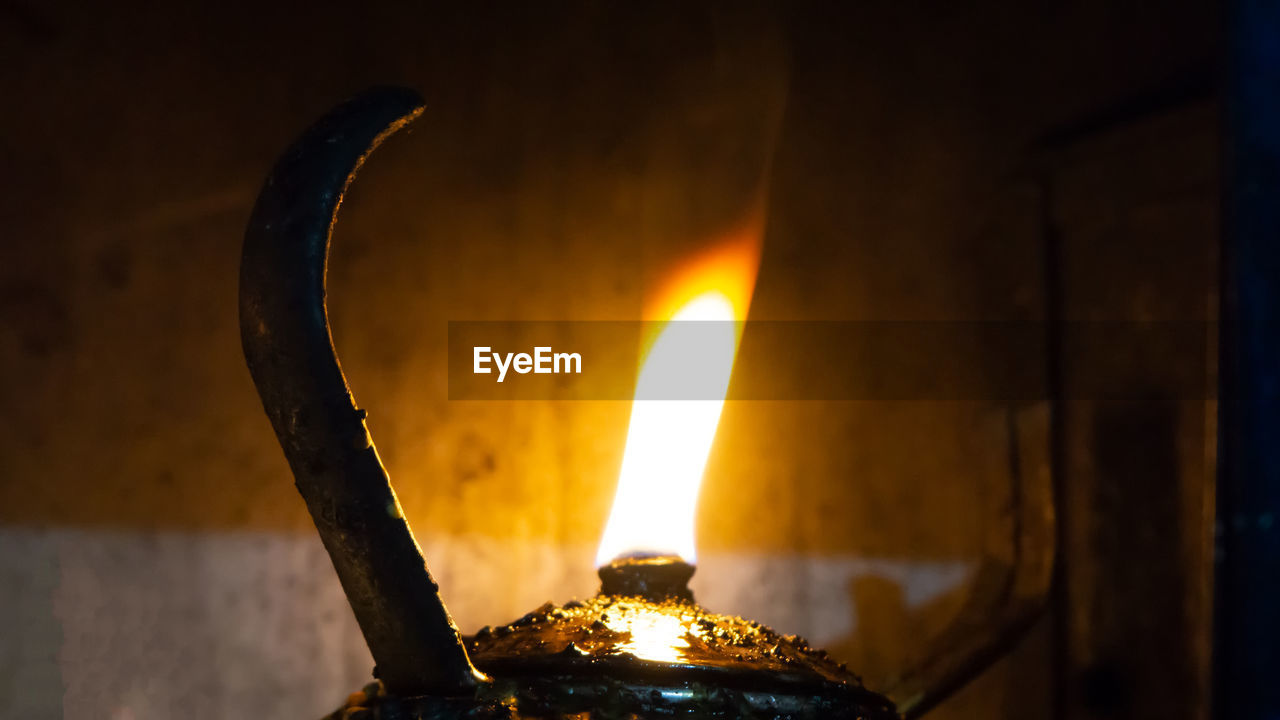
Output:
x=284 y=328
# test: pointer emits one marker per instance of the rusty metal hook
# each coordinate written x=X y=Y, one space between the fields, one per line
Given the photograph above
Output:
x=284 y=328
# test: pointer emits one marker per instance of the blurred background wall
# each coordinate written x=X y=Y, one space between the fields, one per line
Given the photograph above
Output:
x=1031 y=162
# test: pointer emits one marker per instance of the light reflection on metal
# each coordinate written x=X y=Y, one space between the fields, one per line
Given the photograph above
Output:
x=650 y=635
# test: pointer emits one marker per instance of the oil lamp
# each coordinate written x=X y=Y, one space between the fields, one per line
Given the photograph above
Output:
x=642 y=647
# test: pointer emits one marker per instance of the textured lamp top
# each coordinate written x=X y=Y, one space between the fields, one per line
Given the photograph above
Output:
x=630 y=655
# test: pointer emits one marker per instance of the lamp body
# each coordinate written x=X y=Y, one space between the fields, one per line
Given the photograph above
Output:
x=651 y=653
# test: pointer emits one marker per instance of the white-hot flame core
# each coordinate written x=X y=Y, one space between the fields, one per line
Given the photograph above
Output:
x=668 y=441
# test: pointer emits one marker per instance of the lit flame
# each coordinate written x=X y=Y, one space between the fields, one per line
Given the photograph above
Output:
x=668 y=441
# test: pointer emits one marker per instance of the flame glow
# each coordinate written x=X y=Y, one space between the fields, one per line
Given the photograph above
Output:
x=650 y=635
x=668 y=441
